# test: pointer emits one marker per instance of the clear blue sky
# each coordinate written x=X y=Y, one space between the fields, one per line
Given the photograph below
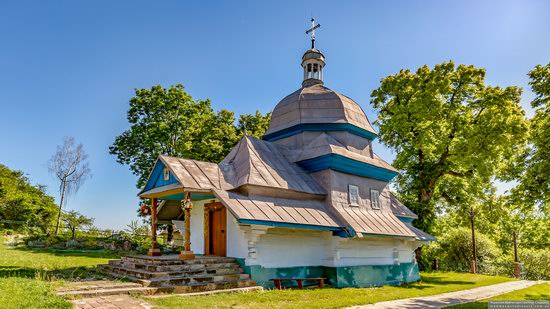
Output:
x=68 y=68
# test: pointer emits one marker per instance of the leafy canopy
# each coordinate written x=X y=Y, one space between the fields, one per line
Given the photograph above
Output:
x=23 y=205
x=534 y=187
x=169 y=121
x=452 y=134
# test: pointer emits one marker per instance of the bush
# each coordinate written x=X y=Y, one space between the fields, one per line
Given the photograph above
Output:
x=454 y=252
x=535 y=263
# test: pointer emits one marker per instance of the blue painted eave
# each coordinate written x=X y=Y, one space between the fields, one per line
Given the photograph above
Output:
x=299 y=128
x=290 y=225
x=346 y=165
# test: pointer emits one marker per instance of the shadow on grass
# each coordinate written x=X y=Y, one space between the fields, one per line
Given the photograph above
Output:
x=72 y=273
x=103 y=254
x=430 y=281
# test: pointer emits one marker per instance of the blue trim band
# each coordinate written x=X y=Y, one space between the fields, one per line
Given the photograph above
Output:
x=299 y=128
x=346 y=165
x=290 y=225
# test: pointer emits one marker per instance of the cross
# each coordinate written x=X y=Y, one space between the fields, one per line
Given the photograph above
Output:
x=312 y=31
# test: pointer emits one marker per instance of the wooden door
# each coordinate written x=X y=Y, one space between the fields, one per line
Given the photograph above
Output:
x=217 y=230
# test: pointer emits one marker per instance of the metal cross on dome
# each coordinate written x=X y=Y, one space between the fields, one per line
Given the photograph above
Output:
x=312 y=31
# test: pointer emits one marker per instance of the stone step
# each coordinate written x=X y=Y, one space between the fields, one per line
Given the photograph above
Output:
x=204 y=287
x=107 y=291
x=101 y=285
x=170 y=268
x=145 y=274
x=192 y=280
x=173 y=260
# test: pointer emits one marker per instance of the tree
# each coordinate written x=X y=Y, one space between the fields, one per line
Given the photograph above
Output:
x=70 y=166
x=23 y=205
x=452 y=133
x=255 y=125
x=170 y=122
x=534 y=183
x=75 y=220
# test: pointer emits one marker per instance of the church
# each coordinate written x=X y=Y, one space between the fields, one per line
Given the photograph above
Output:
x=311 y=199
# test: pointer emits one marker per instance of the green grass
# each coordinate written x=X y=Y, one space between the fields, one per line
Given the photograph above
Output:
x=28 y=278
x=535 y=292
x=432 y=283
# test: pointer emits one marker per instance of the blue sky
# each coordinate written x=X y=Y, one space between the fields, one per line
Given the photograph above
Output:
x=68 y=68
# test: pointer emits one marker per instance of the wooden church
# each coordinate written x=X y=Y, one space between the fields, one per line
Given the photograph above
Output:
x=311 y=199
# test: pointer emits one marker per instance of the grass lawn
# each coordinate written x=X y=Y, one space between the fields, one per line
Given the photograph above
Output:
x=432 y=283
x=535 y=292
x=28 y=278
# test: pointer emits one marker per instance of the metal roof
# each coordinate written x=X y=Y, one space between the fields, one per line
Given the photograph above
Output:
x=265 y=208
x=399 y=209
x=316 y=103
x=261 y=163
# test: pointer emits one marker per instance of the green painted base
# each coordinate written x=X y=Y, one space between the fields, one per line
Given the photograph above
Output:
x=349 y=276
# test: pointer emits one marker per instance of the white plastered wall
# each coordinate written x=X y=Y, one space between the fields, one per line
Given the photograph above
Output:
x=236 y=241
x=284 y=247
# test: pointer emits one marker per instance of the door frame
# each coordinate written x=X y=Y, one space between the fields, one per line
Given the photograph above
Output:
x=208 y=208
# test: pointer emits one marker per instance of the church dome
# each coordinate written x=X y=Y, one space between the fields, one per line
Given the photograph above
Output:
x=315 y=105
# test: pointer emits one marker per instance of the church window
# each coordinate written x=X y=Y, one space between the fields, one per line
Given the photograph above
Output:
x=166 y=174
x=353 y=195
x=375 y=199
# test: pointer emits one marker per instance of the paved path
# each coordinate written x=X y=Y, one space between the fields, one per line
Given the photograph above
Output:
x=452 y=298
x=111 y=302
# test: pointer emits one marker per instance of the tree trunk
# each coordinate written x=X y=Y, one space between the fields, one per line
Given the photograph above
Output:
x=60 y=207
x=74 y=232
x=473 y=266
x=515 y=246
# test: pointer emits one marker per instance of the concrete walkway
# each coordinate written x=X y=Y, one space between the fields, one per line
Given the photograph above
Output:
x=111 y=302
x=452 y=298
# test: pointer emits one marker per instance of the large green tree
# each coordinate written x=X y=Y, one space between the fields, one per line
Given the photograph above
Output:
x=169 y=121
x=534 y=187
x=23 y=205
x=452 y=134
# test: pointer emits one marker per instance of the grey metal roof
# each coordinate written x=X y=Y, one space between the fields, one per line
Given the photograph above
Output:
x=420 y=234
x=193 y=174
x=317 y=104
x=399 y=209
x=265 y=208
x=261 y=163
x=370 y=221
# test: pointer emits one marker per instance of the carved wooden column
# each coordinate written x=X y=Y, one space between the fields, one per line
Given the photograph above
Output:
x=154 y=251
x=186 y=204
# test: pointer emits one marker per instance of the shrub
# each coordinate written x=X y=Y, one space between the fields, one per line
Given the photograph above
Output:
x=535 y=263
x=454 y=252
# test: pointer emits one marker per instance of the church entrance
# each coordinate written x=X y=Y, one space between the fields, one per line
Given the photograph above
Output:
x=215 y=229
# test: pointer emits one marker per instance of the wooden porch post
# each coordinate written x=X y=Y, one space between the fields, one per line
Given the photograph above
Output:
x=187 y=254
x=154 y=251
